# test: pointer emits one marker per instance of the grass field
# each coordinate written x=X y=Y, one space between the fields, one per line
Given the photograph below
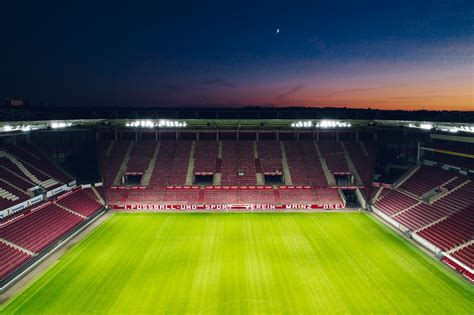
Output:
x=244 y=263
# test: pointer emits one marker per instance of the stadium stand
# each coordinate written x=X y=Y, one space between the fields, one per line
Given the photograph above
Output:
x=466 y=255
x=334 y=156
x=328 y=196
x=37 y=168
x=179 y=166
x=41 y=227
x=29 y=232
x=424 y=214
x=392 y=201
x=205 y=156
x=453 y=231
x=304 y=163
x=164 y=160
x=238 y=163
x=425 y=179
x=80 y=201
x=140 y=155
x=437 y=205
x=7 y=175
x=10 y=259
x=113 y=160
x=269 y=153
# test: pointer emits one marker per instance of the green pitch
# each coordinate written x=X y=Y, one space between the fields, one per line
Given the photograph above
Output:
x=244 y=263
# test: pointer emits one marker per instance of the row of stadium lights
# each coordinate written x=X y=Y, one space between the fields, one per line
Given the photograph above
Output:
x=321 y=124
x=26 y=128
x=455 y=129
x=163 y=123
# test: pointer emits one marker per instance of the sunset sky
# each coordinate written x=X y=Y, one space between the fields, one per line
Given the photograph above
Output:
x=378 y=54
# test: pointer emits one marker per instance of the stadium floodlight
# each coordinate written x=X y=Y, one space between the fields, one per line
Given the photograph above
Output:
x=466 y=128
x=171 y=123
x=57 y=125
x=8 y=128
x=426 y=126
x=328 y=123
x=302 y=124
x=26 y=128
x=162 y=123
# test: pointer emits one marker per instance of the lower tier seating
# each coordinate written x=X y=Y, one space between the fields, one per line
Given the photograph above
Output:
x=392 y=201
x=454 y=231
x=10 y=259
x=465 y=255
x=81 y=202
x=425 y=214
x=41 y=227
x=120 y=197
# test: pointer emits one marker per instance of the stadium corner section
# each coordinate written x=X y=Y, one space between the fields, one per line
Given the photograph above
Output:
x=26 y=272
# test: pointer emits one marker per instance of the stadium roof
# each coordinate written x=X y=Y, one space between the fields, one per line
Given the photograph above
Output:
x=253 y=113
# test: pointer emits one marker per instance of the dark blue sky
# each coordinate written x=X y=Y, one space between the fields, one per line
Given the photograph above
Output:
x=402 y=54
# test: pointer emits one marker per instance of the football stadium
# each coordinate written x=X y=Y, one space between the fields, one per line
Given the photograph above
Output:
x=235 y=211
x=234 y=157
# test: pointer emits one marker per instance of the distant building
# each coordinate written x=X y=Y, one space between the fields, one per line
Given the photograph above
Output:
x=15 y=102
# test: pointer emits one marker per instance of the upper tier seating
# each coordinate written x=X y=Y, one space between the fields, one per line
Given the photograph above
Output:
x=10 y=196
x=38 y=165
x=362 y=162
x=179 y=167
x=205 y=155
x=425 y=179
x=453 y=231
x=140 y=155
x=238 y=156
x=13 y=178
x=162 y=168
x=45 y=164
x=269 y=153
x=333 y=153
x=113 y=161
x=41 y=227
x=304 y=163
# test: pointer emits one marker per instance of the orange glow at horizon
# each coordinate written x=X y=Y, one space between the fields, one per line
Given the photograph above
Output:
x=454 y=93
